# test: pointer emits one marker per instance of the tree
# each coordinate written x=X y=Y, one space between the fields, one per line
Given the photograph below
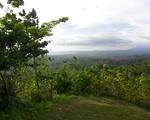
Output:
x=12 y=38
x=36 y=34
x=21 y=38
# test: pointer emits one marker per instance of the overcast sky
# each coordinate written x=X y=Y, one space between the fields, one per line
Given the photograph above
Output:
x=96 y=24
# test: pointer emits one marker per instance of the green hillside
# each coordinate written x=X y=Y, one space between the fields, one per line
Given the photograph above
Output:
x=80 y=108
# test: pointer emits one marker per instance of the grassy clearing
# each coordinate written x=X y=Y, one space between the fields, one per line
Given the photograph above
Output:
x=78 y=108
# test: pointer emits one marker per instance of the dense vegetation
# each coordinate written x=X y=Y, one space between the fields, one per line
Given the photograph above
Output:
x=126 y=82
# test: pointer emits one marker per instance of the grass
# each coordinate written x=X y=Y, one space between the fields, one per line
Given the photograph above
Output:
x=78 y=108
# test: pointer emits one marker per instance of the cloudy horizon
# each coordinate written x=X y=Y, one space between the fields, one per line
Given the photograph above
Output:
x=96 y=24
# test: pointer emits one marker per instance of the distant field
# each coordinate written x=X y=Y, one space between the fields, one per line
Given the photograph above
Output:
x=79 y=108
x=87 y=60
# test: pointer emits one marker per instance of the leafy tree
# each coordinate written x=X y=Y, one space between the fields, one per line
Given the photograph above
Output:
x=37 y=33
x=15 y=3
x=12 y=51
x=63 y=80
x=84 y=82
x=21 y=38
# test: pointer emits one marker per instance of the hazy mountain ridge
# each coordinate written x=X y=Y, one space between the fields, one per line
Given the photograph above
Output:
x=138 y=51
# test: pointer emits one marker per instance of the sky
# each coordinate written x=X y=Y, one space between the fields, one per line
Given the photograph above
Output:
x=96 y=24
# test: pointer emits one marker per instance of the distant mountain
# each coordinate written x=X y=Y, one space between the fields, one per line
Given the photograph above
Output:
x=138 y=51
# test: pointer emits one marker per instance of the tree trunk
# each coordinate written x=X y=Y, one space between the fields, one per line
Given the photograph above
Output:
x=4 y=93
x=51 y=91
x=36 y=73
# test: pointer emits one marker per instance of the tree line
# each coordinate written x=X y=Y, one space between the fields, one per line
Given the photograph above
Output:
x=129 y=82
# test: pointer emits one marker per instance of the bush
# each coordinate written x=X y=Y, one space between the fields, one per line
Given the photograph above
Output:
x=40 y=96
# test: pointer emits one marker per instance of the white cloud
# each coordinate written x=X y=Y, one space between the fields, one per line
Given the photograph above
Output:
x=123 y=19
x=88 y=12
